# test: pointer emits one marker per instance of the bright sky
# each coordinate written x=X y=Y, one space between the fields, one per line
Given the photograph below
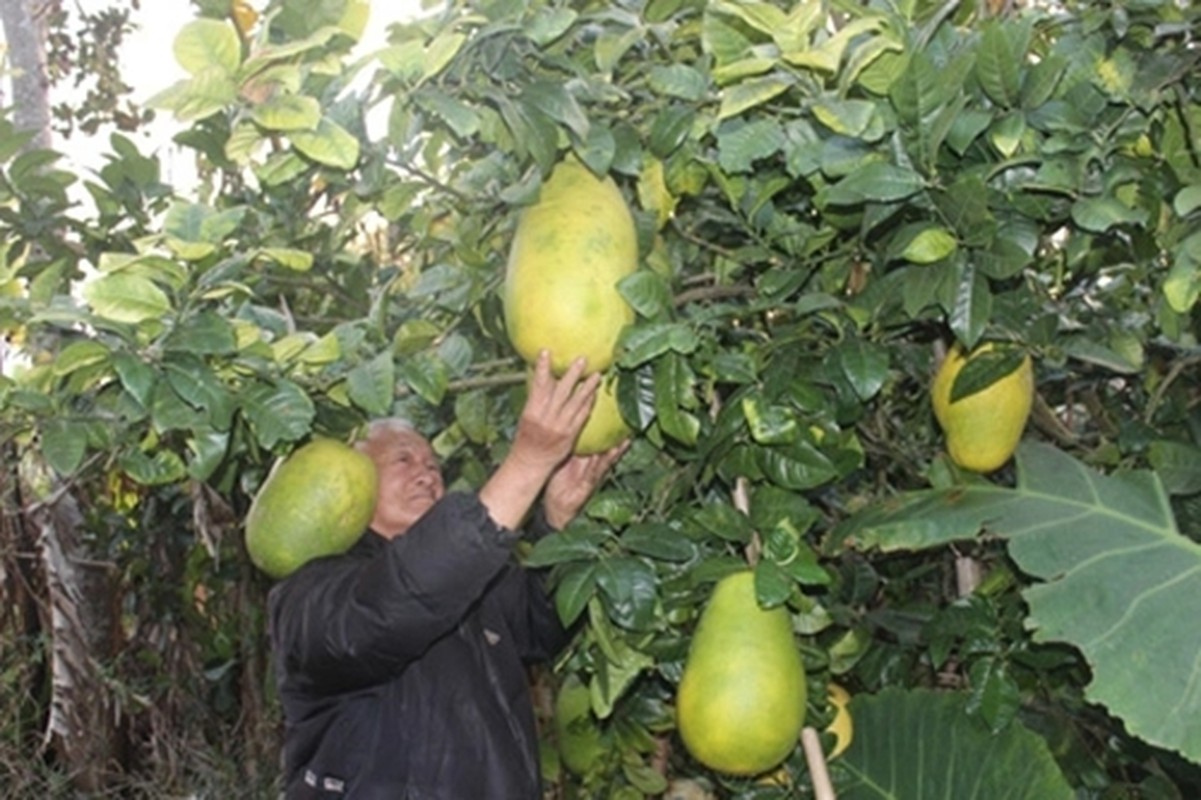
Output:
x=149 y=66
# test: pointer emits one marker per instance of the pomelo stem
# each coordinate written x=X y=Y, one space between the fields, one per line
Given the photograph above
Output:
x=811 y=744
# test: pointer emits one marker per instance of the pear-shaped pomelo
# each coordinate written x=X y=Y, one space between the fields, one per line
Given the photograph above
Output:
x=605 y=428
x=983 y=429
x=570 y=249
x=741 y=699
x=315 y=502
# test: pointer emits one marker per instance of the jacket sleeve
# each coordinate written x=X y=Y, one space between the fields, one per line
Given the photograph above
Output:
x=540 y=632
x=347 y=622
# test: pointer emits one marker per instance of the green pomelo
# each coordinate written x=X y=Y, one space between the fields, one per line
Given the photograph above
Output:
x=580 y=740
x=316 y=502
x=605 y=428
x=741 y=699
x=568 y=253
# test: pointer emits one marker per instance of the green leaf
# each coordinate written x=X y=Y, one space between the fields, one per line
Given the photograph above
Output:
x=984 y=369
x=972 y=306
x=126 y=298
x=288 y=112
x=427 y=375
x=372 y=384
x=678 y=80
x=999 y=61
x=575 y=590
x=865 y=366
x=659 y=541
x=441 y=52
x=925 y=744
x=553 y=100
x=136 y=376
x=875 y=182
x=549 y=24
x=1182 y=287
x=1099 y=214
x=768 y=423
x=1116 y=577
x=78 y=355
x=748 y=94
x=63 y=443
x=740 y=144
x=329 y=144
x=160 y=468
x=795 y=466
x=647 y=293
x=630 y=590
x=279 y=412
x=846 y=117
x=206 y=332
x=932 y=243
x=1178 y=465
x=642 y=343
x=462 y=118
x=567 y=545
x=1187 y=200
x=290 y=258
x=207 y=43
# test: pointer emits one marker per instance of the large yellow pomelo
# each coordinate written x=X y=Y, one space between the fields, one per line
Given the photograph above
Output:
x=741 y=699
x=315 y=502
x=568 y=253
x=605 y=428
x=984 y=428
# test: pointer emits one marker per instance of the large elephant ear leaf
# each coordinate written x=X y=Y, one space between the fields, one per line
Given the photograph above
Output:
x=1117 y=576
x=922 y=743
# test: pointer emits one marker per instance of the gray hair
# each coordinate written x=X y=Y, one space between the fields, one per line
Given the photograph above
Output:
x=384 y=427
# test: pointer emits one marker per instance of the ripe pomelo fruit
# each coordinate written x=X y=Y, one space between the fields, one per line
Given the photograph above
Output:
x=570 y=249
x=315 y=502
x=605 y=428
x=984 y=428
x=741 y=699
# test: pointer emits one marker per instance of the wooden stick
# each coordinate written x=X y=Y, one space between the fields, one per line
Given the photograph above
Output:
x=823 y=789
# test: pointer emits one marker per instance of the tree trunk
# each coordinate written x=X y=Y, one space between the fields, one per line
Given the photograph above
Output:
x=84 y=716
x=25 y=33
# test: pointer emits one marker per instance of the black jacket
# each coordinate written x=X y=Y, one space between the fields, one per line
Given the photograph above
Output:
x=400 y=664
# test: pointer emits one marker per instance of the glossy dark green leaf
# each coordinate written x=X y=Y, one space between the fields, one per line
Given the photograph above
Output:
x=724 y=521
x=658 y=541
x=672 y=387
x=972 y=306
x=631 y=591
x=567 y=545
x=984 y=369
x=798 y=465
x=770 y=423
x=865 y=366
x=643 y=343
x=576 y=587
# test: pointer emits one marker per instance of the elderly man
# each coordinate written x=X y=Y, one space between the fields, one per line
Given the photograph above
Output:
x=401 y=664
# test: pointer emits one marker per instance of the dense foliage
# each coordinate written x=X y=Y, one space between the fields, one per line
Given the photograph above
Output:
x=828 y=195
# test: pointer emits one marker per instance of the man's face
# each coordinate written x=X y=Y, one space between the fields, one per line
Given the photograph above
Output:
x=410 y=480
